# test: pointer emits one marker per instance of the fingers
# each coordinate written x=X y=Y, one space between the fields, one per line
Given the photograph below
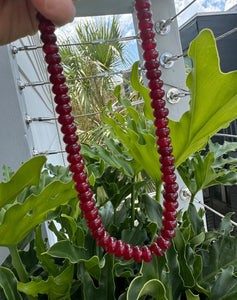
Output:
x=60 y=12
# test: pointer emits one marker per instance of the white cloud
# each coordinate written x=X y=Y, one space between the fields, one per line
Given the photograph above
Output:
x=230 y=3
x=197 y=7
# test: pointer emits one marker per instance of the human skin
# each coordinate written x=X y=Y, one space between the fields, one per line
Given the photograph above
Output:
x=18 y=17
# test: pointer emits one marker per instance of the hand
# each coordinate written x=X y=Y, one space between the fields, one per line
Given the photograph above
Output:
x=18 y=17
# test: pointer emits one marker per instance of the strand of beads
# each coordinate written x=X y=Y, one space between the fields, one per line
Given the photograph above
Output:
x=87 y=204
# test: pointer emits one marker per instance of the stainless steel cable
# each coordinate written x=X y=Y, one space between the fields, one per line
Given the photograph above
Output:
x=222 y=36
x=15 y=49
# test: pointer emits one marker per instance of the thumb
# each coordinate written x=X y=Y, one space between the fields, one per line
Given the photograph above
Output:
x=59 y=12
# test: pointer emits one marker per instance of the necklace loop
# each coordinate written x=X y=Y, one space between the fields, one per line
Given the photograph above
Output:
x=87 y=204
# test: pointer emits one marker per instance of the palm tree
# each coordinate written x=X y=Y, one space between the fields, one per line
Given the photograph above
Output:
x=87 y=60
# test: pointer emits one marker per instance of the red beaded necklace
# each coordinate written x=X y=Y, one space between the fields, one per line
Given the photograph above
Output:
x=87 y=204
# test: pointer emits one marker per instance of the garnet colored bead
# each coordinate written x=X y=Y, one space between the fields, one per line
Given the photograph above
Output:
x=66 y=119
x=170 y=197
x=50 y=48
x=164 y=142
x=167 y=170
x=97 y=233
x=62 y=99
x=46 y=27
x=171 y=206
x=73 y=149
x=119 y=248
x=165 y=151
x=53 y=58
x=128 y=252
x=157 y=94
x=84 y=197
x=91 y=215
x=150 y=54
x=144 y=14
x=170 y=215
x=110 y=245
x=75 y=159
x=171 y=188
x=137 y=254
x=87 y=206
x=158 y=104
x=146 y=254
x=76 y=168
x=63 y=109
x=170 y=225
x=162 y=132
x=167 y=160
x=82 y=187
x=167 y=234
x=147 y=34
x=81 y=177
x=160 y=123
x=161 y=113
x=55 y=69
x=102 y=240
x=69 y=129
x=141 y=4
x=57 y=78
x=163 y=243
x=155 y=84
x=152 y=64
x=70 y=138
x=157 y=250
x=48 y=38
x=168 y=178
x=153 y=74
x=148 y=44
x=94 y=224
x=145 y=24
x=60 y=89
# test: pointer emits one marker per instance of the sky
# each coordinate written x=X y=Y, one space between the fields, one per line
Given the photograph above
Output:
x=126 y=21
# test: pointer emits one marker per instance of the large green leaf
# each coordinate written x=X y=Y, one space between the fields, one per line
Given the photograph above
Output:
x=221 y=254
x=27 y=175
x=20 y=218
x=225 y=286
x=55 y=287
x=199 y=172
x=106 y=289
x=9 y=284
x=214 y=99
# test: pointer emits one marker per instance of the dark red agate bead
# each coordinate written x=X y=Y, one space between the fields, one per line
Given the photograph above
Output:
x=87 y=204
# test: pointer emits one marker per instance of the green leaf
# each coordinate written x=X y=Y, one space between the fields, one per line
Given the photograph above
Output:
x=212 y=93
x=40 y=247
x=65 y=249
x=7 y=173
x=27 y=175
x=9 y=284
x=55 y=287
x=135 y=83
x=185 y=269
x=106 y=289
x=155 y=272
x=153 y=288
x=225 y=286
x=225 y=226
x=191 y=296
x=153 y=209
x=19 y=219
x=220 y=150
x=134 y=236
x=221 y=254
